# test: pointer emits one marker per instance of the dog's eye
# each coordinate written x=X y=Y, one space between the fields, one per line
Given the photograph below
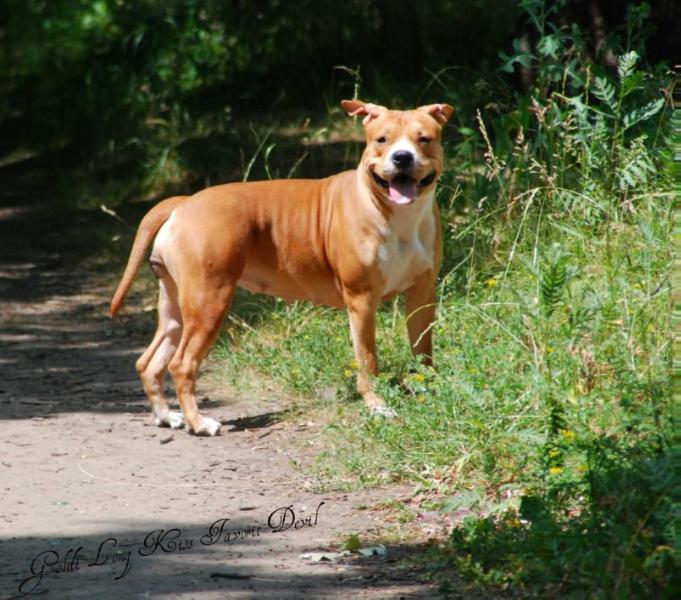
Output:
x=380 y=140
x=424 y=140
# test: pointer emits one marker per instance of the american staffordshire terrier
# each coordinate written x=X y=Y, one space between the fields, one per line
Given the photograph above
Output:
x=351 y=241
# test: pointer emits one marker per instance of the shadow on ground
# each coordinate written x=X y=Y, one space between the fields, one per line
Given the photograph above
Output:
x=59 y=352
x=152 y=560
x=257 y=421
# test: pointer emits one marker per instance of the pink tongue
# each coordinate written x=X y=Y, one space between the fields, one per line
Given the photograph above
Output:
x=402 y=191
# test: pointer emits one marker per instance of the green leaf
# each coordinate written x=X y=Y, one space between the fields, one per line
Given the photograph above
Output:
x=605 y=91
x=549 y=46
x=523 y=59
x=636 y=171
x=553 y=281
x=626 y=66
x=642 y=113
x=648 y=234
x=634 y=82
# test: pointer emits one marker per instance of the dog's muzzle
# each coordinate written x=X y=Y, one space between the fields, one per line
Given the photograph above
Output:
x=402 y=188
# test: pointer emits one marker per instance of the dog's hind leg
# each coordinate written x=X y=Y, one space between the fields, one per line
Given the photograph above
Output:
x=202 y=315
x=153 y=363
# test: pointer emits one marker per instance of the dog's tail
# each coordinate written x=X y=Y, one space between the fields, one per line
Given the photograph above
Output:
x=146 y=232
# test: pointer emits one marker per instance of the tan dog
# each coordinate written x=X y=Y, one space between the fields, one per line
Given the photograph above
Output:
x=350 y=241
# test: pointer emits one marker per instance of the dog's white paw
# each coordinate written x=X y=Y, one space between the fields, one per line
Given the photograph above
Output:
x=175 y=420
x=172 y=419
x=208 y=427
x=382 y=411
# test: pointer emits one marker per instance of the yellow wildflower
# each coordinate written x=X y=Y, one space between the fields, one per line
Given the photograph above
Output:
x=555 y=470
x=491 y=282
x=567 y=434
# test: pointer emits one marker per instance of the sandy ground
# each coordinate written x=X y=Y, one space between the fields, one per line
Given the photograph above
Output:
x=99 y=503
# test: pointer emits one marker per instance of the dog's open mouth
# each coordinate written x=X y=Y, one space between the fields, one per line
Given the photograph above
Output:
x=403 y=189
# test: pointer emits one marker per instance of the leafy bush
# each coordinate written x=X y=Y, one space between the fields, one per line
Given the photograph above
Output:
x=148 y=91
x=595 y=510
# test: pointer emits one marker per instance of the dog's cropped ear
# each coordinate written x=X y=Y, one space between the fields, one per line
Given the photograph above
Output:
x=357 y=108
x=440 y=112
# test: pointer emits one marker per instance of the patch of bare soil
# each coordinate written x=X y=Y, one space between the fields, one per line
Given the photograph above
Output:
x=99 y=503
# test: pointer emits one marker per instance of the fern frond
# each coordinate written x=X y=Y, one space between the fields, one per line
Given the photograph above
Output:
x=642 y=113
x=635 y=172
x=626 y=66
x=553 y=281
x=648 y=234
x=605 y=91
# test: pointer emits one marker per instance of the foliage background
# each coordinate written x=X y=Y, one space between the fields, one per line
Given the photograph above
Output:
x=162 y=93
x=549 y=416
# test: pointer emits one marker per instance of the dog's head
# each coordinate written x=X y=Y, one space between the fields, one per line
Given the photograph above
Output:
x=403 y=155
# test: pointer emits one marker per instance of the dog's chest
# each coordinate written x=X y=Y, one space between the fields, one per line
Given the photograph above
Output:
x=407 y=249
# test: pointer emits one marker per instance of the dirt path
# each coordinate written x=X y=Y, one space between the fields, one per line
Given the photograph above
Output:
x=98 y=503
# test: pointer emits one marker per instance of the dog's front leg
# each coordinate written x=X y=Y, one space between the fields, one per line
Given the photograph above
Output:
x=420 y=309
x=362 y=313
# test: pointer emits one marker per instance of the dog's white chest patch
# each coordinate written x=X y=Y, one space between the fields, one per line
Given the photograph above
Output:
x=408 y=249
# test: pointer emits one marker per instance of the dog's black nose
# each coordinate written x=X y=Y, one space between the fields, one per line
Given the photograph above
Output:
x=403 y=159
